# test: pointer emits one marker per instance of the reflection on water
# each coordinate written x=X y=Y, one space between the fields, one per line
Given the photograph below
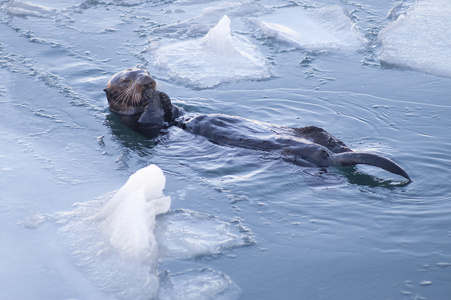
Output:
x=358 y=177
x=129 y=138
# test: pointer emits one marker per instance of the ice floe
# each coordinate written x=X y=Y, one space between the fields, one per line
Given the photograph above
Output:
x=326 y=28
x=128 y=219
x=200 y=284
x=216 y=58
x=117 y=240
x=23 y=9
x=112 y=237
x=209 y=17
x=420 y=39
x=186 y=234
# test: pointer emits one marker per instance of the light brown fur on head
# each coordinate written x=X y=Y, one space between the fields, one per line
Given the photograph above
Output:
x=125 y=89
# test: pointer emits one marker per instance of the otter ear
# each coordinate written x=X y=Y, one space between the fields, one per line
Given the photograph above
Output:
x=106 y=90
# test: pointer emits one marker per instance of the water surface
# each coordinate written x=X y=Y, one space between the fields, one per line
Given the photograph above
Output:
x=355 y=233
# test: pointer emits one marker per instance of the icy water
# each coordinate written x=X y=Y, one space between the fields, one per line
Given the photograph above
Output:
x=240 y=223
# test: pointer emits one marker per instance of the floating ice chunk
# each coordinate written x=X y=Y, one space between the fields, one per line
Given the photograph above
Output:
x=117 y=240
x=198 y=285
x=113 y=237
x=219 y=37
x=420 y=39
x=151 y=181
x=216 y=58
x=209 y=17
x=234 y=9
x=23 y=9
x=187 y=234
x=397 y=10
x=327 y=28
x=129 y=217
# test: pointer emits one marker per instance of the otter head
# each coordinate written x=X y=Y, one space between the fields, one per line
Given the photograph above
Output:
x=126 y=91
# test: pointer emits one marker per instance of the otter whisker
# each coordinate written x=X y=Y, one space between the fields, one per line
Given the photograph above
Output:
x=138 y=96
x=121 y=97
x=128 y=96
x=128 y=100
x=135 y=97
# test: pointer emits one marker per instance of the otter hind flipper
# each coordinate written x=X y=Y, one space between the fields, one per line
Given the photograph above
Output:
x=354 y=158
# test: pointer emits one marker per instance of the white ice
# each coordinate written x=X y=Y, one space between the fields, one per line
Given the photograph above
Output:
x=203 y=284
x=18 y=8
x=117 y=241
x=34 y=221
x=327 y=28
x=113 y=238
x=420 y=39
x=186 y=234
x=209 y=17
x=128 y=219
x=216 y=58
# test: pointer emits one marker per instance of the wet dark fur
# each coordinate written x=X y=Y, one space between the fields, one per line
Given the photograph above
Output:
x=305 y=146
x=320 y=136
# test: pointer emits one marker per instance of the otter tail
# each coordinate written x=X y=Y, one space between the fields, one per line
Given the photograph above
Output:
x=353 y=158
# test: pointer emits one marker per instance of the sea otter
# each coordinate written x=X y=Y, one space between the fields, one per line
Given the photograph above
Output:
x=132 y=95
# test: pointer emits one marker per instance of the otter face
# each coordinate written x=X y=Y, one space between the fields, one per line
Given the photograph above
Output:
x=125 y=89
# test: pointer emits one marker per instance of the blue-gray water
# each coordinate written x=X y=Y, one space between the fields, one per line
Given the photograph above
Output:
x=315 y=234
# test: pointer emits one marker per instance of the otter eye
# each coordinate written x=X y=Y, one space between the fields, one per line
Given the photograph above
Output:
x=125 y=80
